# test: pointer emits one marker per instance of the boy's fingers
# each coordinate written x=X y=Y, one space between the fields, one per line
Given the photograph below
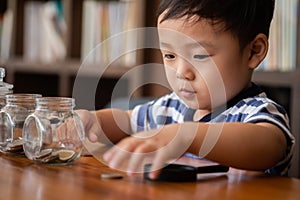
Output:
x=127 y=155
x=160 y=160
x=135 y=163
x=144 y=153
x=116 y=158
x=154 y=174
x=93 y=137
x=108 y=155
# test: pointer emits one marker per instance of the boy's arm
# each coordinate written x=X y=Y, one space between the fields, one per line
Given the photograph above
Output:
x=240 y=145
x=244 y=145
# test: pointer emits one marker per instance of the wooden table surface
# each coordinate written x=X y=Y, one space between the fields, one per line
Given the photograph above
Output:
x=21 y=179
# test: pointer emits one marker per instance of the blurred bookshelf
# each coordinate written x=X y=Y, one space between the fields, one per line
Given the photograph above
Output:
x=59 y=38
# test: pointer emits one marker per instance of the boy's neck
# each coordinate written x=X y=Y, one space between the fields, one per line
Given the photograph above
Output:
x=199 y=114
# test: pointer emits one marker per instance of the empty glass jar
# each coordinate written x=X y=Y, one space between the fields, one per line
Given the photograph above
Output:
x=3 y=92
x=12 y=117
x=54 y=133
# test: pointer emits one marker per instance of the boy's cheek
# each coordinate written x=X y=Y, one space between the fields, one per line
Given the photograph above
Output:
x=171 y=77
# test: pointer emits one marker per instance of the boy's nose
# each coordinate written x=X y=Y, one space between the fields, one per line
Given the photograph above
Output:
x=185 y=70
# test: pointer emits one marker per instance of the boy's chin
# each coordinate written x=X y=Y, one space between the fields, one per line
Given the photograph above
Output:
x=191 y=104
x=195 y=105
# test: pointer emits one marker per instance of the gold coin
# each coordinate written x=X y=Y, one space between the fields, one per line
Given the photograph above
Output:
x=65 y=154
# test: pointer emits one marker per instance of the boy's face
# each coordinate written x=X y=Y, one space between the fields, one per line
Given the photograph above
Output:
x=204 y=67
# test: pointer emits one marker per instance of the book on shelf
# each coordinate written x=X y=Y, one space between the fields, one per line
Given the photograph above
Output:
x=283 y=38
x=44 y=30
x=104 y=37
x=6 y=27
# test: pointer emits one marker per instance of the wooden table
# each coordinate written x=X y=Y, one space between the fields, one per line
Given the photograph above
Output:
x=21 y=179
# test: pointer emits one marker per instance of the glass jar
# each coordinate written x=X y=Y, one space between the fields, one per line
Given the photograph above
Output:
x=54 y=133
x=12 y=117
x=5 y=88
x=3 y=93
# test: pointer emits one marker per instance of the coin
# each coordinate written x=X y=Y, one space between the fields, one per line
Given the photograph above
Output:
x=65 y=154
x=16 y=143
x=44 y=153
x=50 y=158
x=15 y=146
x=111 y=176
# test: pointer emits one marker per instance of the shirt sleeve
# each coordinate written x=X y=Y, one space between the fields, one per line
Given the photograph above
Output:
x=155 y=114
x=273 y=113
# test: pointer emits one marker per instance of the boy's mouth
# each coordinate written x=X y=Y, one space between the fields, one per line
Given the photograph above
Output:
x=186 y=93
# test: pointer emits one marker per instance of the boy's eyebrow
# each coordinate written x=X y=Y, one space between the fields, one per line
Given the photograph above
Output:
x=203 y=44
x=165 y=44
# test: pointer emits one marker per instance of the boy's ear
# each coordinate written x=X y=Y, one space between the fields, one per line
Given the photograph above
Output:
x=258 y=50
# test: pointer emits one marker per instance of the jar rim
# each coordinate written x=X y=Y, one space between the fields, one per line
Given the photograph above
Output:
x=23 y=96
x=55 y=99
x=56 y=103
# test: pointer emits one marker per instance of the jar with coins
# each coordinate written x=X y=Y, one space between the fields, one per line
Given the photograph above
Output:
x=54 y=133
x=12 y=117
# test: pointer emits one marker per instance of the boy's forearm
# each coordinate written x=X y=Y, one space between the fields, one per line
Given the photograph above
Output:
x=114 y=123
x=241 y=145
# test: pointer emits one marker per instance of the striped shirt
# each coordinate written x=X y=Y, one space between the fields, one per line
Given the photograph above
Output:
x=250 y=106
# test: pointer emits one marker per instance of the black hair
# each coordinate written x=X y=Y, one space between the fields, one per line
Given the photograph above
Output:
x=244 y=18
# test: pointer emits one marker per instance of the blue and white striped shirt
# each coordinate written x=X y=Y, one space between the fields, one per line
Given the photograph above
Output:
x=250 y=106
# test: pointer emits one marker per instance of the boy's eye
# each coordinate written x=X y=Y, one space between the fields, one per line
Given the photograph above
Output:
x=200 y=57
x=169 y=56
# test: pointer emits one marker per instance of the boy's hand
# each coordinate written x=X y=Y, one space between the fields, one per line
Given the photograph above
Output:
x=157 y=147
x=91 y=124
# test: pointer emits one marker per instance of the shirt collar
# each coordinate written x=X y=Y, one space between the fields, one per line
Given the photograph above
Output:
x=252 y=91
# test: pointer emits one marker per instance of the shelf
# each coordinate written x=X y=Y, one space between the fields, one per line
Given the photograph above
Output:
x=276 y=78
x=68 y=67
x=289 y=80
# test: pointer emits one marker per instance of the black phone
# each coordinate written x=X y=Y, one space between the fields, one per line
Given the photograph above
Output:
x=183 y=173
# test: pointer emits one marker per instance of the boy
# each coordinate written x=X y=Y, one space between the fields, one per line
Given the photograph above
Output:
x=210 y=49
